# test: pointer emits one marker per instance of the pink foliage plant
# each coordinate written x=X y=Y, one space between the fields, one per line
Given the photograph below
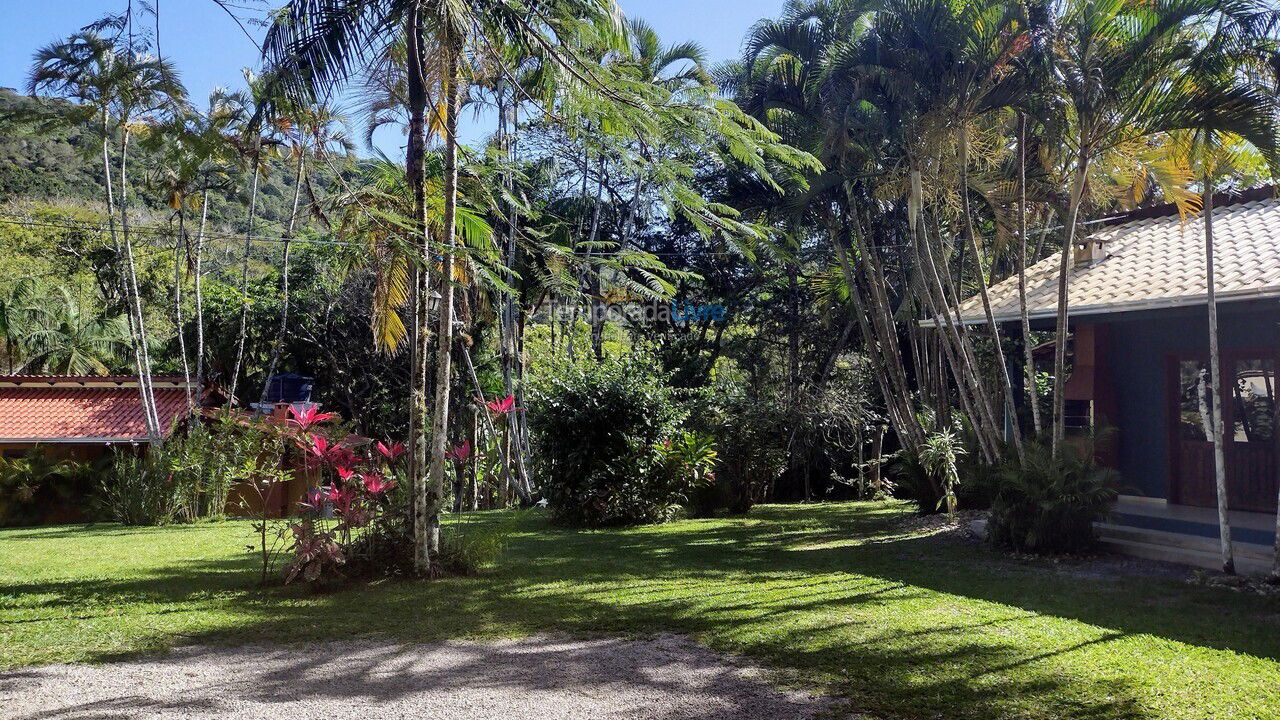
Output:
x=354 y=481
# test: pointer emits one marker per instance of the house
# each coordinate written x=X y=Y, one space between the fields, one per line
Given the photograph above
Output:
x=1139 y=327
x=82 y=416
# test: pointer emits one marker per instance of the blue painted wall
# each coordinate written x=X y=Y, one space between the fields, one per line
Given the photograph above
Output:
x=1140 y=344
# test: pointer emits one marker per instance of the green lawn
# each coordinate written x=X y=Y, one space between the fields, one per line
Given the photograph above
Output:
x=836 y=597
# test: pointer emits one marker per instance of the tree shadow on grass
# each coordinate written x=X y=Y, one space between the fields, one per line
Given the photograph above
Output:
x=665 y=678
x=838 y=597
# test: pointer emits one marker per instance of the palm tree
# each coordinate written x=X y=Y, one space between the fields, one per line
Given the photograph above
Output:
x=68 y=339
x=16 y=310
x=1230 y=109
x=188 y=151
x=120 y=89
x=320 y=44
x=787 y=79
x=317 y=131
x=1123 y=71
x=258 y=135
x=213 y=127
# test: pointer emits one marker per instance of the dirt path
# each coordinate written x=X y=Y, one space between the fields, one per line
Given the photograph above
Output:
x=664 y=678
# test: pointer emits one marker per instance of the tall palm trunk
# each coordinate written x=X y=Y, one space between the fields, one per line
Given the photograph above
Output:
x=1006 y=383
x=444 y=335
x=882 y=332
x=514 y=325
x=177 y=296
x=244 y=268
x=283 y=328
x=1215 y=387
x=198 y=289
x=1060 y=338
x=1028 y=357
x=955 y=342
x=139 y=324
x=415 y=175
x=900 y=415
x=950 y=341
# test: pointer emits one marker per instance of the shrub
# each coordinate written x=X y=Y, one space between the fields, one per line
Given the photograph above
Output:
x=947 y=471
x=912 y=481
x=938 y=455
x=601 y=434
x=751 y=442
x=1048 y=504
x=39 y=487
x=138 y=488
x=188 y=477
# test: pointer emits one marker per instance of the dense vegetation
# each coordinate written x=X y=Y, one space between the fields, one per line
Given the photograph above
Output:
x=766 y=234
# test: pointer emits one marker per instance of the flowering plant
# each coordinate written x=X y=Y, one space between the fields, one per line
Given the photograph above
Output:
x=505 y=406
x=343 y=510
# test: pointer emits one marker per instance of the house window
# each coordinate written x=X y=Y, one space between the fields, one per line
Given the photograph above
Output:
x=1253 y=403
x=1078 y=415
x=1195 y=402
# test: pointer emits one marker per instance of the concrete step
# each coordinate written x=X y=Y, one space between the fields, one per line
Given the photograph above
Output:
x=1184 y=549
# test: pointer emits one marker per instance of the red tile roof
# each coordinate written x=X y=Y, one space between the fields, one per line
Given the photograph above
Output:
x=49 y=409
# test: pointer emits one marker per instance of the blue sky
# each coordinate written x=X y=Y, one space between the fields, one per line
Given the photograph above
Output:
x=210 y=50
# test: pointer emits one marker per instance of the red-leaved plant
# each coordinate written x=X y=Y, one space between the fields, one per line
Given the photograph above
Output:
x=351 y=487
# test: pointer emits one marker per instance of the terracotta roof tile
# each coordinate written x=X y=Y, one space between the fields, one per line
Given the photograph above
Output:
x=1157 y=262
x=91 y=413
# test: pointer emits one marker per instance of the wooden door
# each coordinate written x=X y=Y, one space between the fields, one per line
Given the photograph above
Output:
x=1190 y=447
x=1249 y=387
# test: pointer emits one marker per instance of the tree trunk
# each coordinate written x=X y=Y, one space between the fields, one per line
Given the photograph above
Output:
x=955 y=343
x=199 y=297
x=119 y=245
x=1215 y=387
x=154 y=434
x=968 y=376
x=881 y=321
x=1028 y=358
x=177 y=296
x=444 y=335
x=283 y=328
x=415 y=177
x=244 y=271
x=904 y=421
x=1006 y=383
x=1060 y=338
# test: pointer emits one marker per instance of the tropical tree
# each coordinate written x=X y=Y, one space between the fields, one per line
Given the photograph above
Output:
x=120 y=89
x=189 y=155
x=258 y=137
x=17 y=307
x=1233 y=114
x=1125 y=75
x=66 y=338
x=317 y=45
x=316 y=131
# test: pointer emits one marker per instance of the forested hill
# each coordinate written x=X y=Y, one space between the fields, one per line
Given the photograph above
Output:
x=62 y=165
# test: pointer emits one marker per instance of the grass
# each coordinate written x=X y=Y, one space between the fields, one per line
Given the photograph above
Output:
x=838 y=598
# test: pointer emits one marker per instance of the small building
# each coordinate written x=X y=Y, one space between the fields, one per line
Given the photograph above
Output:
x=82 y=416
x=1139 y=361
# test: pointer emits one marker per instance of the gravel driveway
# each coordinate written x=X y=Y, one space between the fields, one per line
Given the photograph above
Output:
x=664 y=678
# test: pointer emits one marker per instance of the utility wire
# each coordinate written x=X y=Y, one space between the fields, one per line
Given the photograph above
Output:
x=163 y=231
